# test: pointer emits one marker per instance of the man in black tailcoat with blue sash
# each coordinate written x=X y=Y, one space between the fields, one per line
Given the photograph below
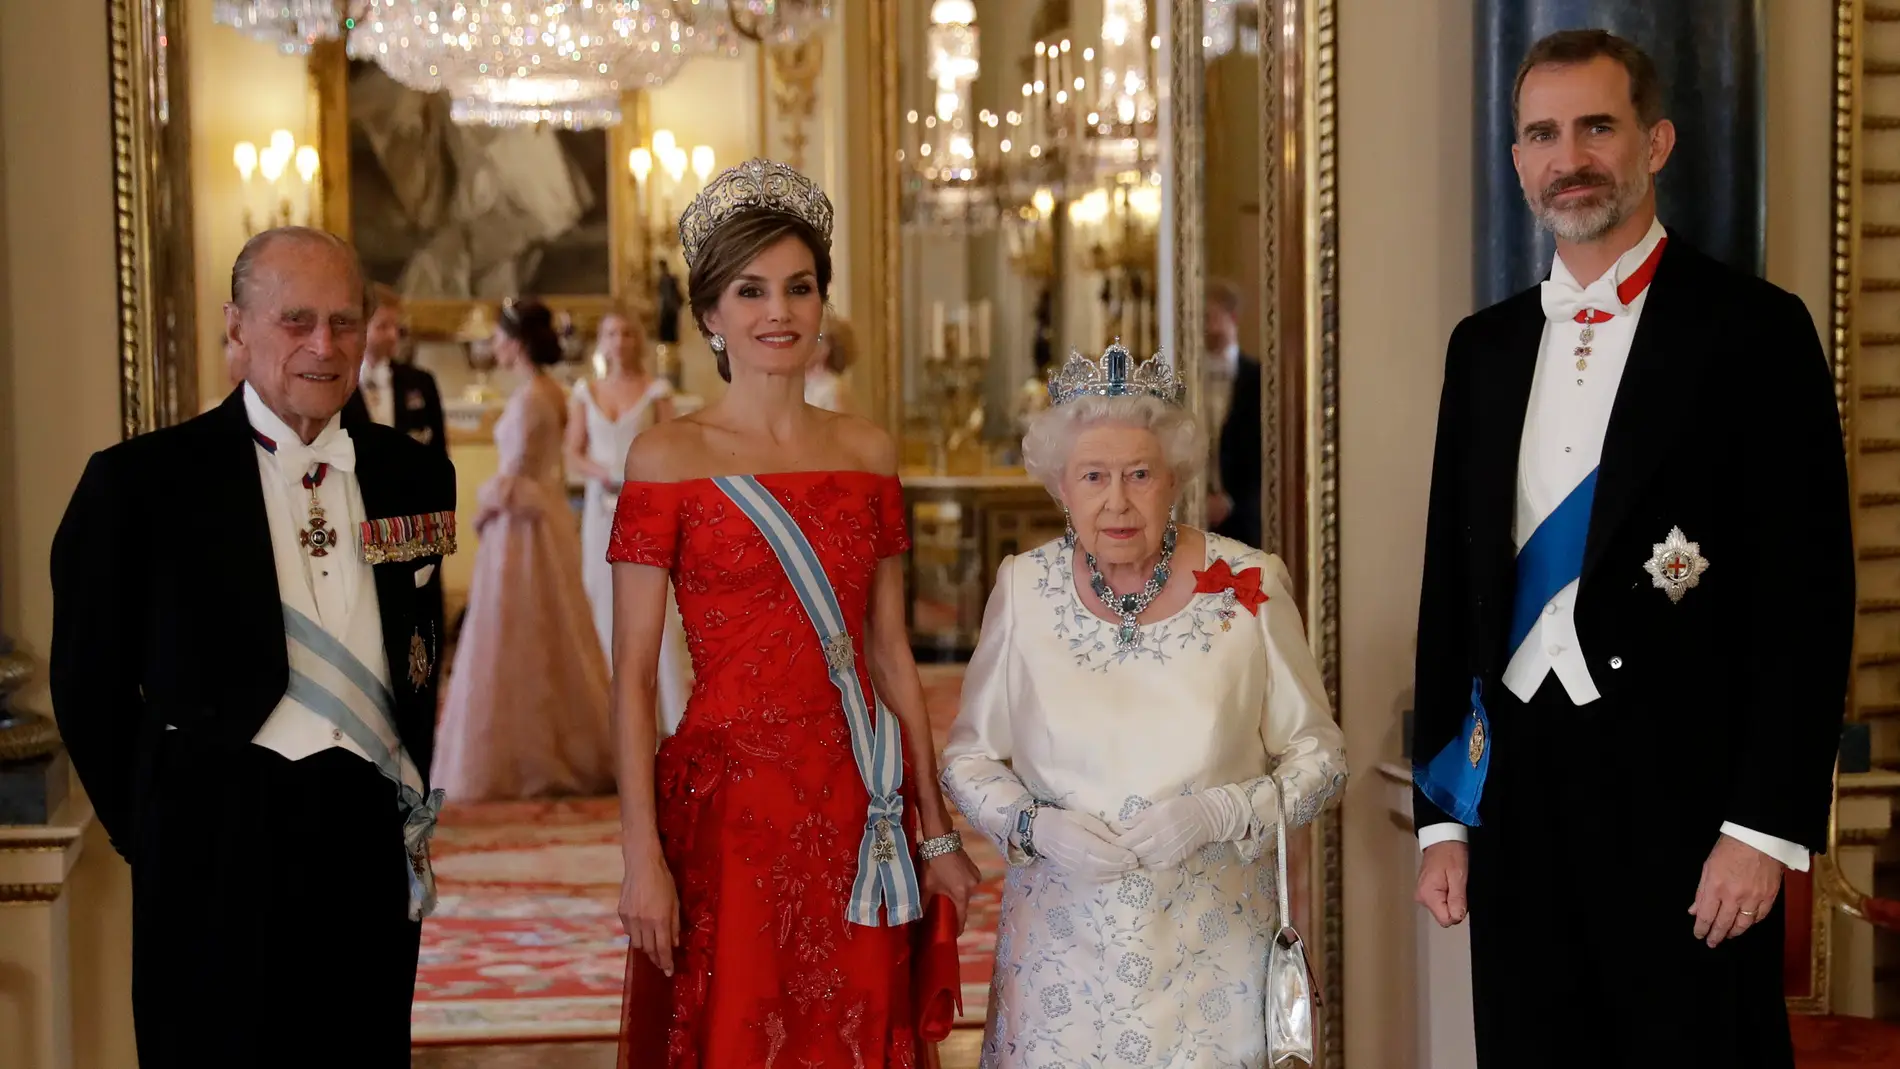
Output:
x=246 y=645
x=1636 y=617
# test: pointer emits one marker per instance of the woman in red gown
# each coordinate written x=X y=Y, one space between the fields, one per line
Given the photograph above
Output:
x=742 y=835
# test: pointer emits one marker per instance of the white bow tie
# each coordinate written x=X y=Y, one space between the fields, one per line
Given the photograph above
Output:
x=1563 y=300
x=333 y=447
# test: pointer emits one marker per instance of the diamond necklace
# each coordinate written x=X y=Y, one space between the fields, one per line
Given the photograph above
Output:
x=1129 y=606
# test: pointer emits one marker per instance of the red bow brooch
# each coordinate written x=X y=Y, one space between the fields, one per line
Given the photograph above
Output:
x=1242 y=589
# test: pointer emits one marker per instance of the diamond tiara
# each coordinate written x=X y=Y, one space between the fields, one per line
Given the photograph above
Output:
x=1115 y=375
x=755 y=185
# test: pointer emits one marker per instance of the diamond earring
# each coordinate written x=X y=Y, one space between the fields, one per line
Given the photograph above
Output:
x=718 y=343
x=821 y=335
x=1068 y=530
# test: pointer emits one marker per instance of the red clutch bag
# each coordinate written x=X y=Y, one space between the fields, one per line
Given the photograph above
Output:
x=938 y=977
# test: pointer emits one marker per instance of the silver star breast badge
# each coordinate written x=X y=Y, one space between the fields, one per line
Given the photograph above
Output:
x=1676 y=565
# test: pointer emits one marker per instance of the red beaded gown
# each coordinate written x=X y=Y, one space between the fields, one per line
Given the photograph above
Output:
x=760 y=805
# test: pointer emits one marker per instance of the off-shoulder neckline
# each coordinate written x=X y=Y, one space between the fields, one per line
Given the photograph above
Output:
x=766 y=475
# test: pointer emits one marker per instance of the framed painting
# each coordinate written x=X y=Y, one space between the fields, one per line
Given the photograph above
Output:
x=459 y=218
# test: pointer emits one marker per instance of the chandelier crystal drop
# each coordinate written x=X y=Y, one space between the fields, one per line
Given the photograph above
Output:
x=514 y=62
x=1124 y=126
x=290 y=26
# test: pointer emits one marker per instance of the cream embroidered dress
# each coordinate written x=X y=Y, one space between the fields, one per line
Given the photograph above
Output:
x=1157 y=967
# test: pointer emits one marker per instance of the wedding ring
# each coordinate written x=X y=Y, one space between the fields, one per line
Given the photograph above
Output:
x=1746 y=912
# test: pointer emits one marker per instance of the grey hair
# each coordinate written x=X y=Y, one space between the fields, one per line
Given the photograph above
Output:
x=1052 y=434
x=246 y=262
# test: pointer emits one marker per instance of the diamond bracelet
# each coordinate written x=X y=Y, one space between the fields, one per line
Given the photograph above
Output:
x=947 y=843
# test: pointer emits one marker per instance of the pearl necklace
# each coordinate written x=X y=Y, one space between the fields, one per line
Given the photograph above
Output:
x=1129 y=606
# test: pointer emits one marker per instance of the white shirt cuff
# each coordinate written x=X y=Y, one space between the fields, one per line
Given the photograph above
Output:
x=1793 y=855
x=1448 y=832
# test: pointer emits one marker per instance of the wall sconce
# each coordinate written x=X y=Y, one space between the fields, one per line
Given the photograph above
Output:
x=288 y=172
x=656 y=194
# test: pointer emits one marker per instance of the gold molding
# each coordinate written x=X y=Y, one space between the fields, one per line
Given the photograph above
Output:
x=629 y=272
x=1843 y=340
x=871 y=58
x=1185 y=160
x=1299 y=352
x=1320 y=231
x=151 y=171
x=1277 y=131
x=30 y=894
x=50 y=844
x=795 y=71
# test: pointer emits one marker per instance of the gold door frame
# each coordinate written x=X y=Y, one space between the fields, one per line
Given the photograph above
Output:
x=1299 y=297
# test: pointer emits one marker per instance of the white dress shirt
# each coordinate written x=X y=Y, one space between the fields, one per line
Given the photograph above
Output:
x=378 y=396
x=337 y=590
x=1564 y=428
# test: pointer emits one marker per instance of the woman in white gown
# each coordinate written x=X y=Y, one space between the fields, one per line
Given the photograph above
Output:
x=1141 y=702
x=604 y=418
x=825 y=385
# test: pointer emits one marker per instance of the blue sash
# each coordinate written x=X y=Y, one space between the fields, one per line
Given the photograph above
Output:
x=1551 y=560
x=886 y=876
x=330 y=681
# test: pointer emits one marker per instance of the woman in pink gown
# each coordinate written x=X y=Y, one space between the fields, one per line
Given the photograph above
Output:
x=526 y=712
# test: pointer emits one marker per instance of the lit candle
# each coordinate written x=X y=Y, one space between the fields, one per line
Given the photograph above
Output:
x=983 y=328
x=935 y=351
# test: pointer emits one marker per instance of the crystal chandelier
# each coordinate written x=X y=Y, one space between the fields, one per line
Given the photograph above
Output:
x=290 y=26
x=946 y=185
x=1124 y=122
x=509 y=62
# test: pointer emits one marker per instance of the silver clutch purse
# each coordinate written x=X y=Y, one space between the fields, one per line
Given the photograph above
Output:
x=1290 y=992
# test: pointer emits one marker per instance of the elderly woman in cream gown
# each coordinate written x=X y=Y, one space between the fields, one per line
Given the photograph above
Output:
x=1141 y=704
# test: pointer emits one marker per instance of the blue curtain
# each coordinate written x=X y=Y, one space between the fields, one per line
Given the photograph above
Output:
x=1709 y=54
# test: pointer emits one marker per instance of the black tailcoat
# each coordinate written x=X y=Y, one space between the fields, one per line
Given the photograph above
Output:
x=417 y=405
x=1724 y=707
x=257 y=881
x=1239 y=454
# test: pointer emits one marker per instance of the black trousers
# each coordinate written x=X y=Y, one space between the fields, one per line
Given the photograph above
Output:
x=1583 y=951
x=270 y=911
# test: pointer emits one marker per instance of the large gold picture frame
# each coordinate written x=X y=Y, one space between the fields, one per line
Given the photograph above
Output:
x=151 y=179
x=629 y=244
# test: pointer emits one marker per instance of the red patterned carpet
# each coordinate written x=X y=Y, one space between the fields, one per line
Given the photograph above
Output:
x=526 y=944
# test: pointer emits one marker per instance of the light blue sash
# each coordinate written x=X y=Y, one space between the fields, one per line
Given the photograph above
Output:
x=1551 y=560
x=886 y=876
x=332 y=682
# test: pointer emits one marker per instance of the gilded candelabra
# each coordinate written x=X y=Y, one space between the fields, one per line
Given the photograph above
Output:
x=957 y=360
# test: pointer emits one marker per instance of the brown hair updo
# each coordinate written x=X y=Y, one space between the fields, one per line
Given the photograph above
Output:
x=529 y=322
x=727 y=251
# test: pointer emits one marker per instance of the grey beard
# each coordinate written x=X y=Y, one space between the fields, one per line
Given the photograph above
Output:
x=1588 y=224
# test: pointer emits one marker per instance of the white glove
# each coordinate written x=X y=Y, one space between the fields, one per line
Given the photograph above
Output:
x=1079 y=843
x=1168 y=832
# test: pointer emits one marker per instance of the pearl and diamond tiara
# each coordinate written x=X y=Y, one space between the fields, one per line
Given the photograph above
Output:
x=1115 y=375
x=755 y=185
